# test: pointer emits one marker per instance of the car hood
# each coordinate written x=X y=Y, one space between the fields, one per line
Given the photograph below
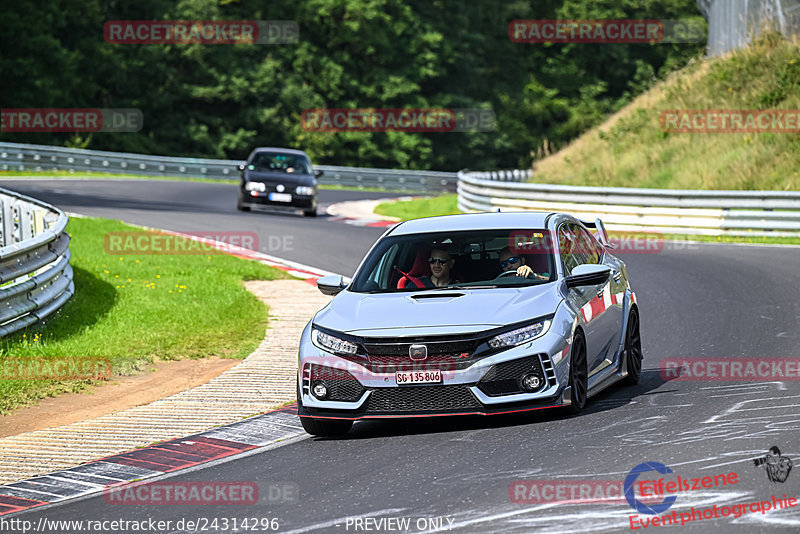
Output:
x=278 y=177
x=436 y=311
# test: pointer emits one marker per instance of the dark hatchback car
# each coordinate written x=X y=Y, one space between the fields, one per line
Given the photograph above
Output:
x=278 y=177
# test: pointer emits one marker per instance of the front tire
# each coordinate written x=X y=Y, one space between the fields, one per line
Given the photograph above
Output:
x=633 y=349
x=310 y=213
x=241 y=206
x=325 y=427
x=578 y=375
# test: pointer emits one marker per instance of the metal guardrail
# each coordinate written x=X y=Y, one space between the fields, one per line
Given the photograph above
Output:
x=22 y=157
x=35 y=275
x=756 y=213
x=742 y=213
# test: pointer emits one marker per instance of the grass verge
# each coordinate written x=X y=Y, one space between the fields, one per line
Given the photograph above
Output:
x=632 y=150
x=134 y=308
x=422 y=207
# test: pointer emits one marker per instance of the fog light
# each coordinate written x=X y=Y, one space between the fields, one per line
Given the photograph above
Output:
x=319 y=390
x=531 y=382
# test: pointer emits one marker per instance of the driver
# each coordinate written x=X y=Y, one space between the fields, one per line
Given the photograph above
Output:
x=509 y=262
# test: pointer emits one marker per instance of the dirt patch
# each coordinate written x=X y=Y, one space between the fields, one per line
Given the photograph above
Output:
x=121 y=393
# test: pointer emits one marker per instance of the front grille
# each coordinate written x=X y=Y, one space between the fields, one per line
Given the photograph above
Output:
x=390 y=355
x=422 y=398
x=342 y=386
x=503 y=378
x=434 y=347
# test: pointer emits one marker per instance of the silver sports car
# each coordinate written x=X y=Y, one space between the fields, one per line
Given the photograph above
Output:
x=487 y=313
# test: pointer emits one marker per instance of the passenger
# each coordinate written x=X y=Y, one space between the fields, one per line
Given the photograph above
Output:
x=510 y=262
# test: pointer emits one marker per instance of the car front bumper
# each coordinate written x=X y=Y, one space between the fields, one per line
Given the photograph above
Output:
x=262 y=199
x=486 y=387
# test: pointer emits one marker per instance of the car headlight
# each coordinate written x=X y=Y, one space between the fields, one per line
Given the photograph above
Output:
x=255 y=186
x=331 y=343
x=520 y=335
x=305 y=190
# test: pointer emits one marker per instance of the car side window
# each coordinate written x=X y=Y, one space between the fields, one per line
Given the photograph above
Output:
x=568 y=246
x=577 y=247
x=589 y=247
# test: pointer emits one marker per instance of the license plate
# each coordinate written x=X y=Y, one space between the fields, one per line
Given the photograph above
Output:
x=418 y=377
x=280 y=197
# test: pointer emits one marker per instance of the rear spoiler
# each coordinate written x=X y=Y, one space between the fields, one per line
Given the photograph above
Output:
x=601 y=233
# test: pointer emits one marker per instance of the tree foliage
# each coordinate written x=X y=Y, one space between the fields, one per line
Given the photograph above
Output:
x=222 y=100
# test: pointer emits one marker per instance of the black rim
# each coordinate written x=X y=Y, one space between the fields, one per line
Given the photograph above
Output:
x=578 y=373
x=634 y=346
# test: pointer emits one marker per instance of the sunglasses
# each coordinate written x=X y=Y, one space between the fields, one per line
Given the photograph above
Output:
x=440 y=261
x=509 y=261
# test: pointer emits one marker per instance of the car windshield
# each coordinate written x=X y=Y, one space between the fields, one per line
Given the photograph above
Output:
x=480 y=259
x=277 y=162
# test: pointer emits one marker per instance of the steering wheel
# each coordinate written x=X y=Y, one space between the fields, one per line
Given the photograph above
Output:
x=507 y=273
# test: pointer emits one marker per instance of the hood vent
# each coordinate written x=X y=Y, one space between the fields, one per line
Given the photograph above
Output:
x=422 y=296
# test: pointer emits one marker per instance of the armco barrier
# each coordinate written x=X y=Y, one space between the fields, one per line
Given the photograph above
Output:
x=35 y=275
x=743 y=213
x=24 y=157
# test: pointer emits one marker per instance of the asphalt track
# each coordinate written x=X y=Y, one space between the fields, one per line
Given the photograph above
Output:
x=711 y=300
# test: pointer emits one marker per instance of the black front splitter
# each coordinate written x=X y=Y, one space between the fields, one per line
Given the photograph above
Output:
x=510 y=408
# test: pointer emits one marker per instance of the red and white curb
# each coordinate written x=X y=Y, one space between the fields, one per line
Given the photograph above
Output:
x=309 y=274
x=299 y=270
x=362 y=212
x=363 y=222
x=152 y=461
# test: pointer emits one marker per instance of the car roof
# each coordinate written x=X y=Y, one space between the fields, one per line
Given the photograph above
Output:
x=473 y=221
x=278 y=149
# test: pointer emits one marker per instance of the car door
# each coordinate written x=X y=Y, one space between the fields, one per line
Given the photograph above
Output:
x=618 y=284
x=577 y=247
x=608 y=296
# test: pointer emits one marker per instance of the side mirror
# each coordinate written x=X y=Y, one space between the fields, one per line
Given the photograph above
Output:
x=240 y=166
x=588 y=275
x=318 y=173
x=331 y=284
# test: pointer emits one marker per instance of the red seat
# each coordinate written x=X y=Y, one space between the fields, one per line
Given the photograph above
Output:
x=421 y=267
